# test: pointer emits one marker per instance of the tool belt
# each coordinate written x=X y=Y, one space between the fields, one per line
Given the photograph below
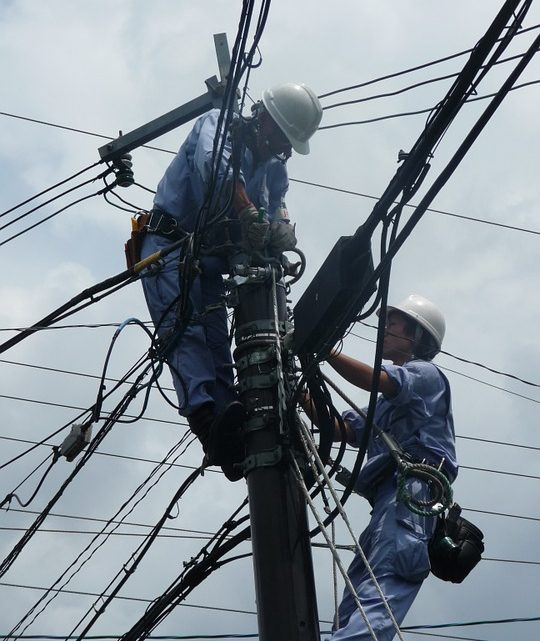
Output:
x=161 y=223
x=153 y=222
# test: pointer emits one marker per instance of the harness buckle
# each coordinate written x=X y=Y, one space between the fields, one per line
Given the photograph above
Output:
x=165 y=225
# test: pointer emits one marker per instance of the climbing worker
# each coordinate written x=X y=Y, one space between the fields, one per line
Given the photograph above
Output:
x=247 y=190
x=414 y=408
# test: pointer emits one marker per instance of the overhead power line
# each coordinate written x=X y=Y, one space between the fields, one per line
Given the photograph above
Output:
x=126 y=598
x=297 y=180
x=416 y=85
x=472 y=378
x=133 y=458
x=430 y=209
x=412 y=69
x=419 y=111
x=476 y=363
x=112 y=521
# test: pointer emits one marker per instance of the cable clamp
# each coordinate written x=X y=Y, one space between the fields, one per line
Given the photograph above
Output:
x=257 y=423
x=261 y=381
x=257 y=357
x=266 y=458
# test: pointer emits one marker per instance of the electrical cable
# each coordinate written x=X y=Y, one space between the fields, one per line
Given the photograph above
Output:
x=450 y=167
x=95 y=544
x=47 y=202
x=123 y=522
x=45 y=191
x=416 y=85
x=472 y=362
x=100 y=436
x=126 y=572
x=127 y=598
x=431 y=210
x=416 y=68
x=193 y=574
x=9 y=497
x=119 y=280
x=44 y=220
x=418 y=111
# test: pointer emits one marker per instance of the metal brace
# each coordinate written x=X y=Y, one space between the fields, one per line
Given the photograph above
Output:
x=268 y=458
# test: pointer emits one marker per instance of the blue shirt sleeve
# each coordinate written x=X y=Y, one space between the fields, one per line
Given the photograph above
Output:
x=203 y=154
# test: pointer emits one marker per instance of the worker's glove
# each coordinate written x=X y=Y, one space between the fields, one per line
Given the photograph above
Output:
x=282 y=237
x=254 y=227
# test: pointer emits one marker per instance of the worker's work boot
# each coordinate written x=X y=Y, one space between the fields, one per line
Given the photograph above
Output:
x=225 y=447
x=200 y=422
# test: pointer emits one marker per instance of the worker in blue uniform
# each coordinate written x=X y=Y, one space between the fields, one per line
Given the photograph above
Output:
x=253 y=196
x=414 y=408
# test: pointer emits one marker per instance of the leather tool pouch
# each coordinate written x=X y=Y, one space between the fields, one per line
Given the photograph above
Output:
x=456 y=547
x=133 y=244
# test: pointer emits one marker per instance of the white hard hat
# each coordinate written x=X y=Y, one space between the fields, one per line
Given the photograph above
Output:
x=296 y=110
x=425 y=313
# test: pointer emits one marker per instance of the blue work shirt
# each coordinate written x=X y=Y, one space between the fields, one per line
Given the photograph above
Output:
x=418 y=417
x=182 y=190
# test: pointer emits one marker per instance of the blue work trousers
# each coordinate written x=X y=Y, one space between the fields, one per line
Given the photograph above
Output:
x=200 y=361
x=396 y=546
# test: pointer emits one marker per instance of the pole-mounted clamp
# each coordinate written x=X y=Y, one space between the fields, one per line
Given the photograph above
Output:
x=260 y=381
x=257 y=357
x=266 y=458
x=256 y=423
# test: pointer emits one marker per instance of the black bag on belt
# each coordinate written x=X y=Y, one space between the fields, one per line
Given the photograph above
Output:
x=456 y=547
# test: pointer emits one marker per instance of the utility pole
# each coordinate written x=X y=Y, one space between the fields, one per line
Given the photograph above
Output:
x=284 y=582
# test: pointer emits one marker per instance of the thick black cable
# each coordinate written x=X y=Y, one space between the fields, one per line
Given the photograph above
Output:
x=163 y=606
x=129 y=274
x=447 y=172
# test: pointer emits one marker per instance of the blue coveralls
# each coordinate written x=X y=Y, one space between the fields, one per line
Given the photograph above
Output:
x=202 y=356
x=395 y=542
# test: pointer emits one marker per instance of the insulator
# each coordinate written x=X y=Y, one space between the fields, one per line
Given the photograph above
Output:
x=123 y=171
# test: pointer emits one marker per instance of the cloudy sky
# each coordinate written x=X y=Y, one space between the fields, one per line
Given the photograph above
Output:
x=100 y=67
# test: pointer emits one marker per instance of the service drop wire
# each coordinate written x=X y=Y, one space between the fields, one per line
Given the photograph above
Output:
x=99 y=400
x=100 y=436
x=9 y=497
